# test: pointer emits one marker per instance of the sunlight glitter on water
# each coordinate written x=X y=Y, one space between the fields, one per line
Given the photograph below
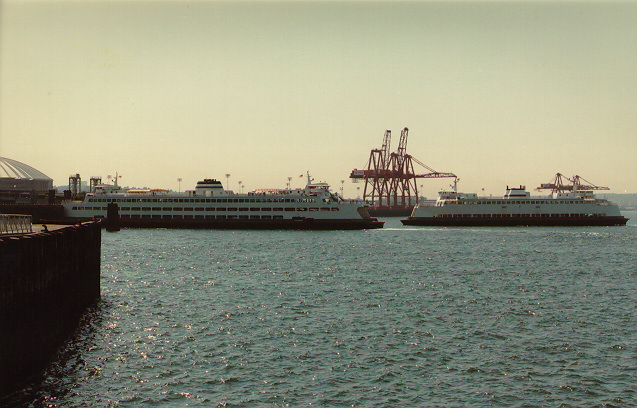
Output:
x=411 y=317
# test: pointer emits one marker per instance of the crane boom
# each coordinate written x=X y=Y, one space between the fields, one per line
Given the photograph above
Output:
x=434 y=173
x=402 y=145
x=563 y=183
x=386 y=147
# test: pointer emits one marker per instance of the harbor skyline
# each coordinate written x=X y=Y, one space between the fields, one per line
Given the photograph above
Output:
x=502 y=93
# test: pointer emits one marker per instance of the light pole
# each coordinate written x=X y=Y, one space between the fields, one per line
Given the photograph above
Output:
x=179 y=181
x=241 y=186
x=289 y=182
x=227 y=181
x=342 y=184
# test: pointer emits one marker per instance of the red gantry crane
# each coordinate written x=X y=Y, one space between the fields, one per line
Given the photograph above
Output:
x=577 y=183
x=390 y=178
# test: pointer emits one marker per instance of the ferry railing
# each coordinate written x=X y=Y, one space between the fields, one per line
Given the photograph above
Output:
x=15 y=224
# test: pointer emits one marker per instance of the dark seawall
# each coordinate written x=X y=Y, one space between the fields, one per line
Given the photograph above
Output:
x=47 y=280
x=41 y=213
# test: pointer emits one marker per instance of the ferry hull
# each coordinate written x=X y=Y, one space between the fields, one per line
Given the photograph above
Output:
x=302 y=224
x=515 y=221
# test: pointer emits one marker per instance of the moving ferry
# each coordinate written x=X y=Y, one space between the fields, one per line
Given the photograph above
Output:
x=211 y=206
x=568 y=204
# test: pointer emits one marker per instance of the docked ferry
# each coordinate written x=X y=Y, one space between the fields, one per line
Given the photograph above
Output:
x=211 y=206
x=572 y=204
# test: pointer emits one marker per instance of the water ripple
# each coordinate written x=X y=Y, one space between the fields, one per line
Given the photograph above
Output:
x=435 y=317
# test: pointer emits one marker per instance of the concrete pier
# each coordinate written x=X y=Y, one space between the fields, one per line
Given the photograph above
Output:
x=47 y=280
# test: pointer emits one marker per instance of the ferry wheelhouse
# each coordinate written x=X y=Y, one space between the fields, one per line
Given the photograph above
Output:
x=211 y=206
x=574 y=204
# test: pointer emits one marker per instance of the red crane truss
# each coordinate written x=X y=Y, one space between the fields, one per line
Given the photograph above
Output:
x=561 y=183
x=390 y=178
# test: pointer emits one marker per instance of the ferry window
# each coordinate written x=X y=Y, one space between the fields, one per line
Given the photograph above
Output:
x=266 y=217
x=178 y=209
x=314 y=209
x=244 y=209
x=266 y=209
x=210 y=208
x=335 y=209
x=289 y=209
x=187 y=208
x=166 y=216
x=254 y=217
x=301 y=209
x=254 y=209
x=325 y=209
x=199 y=217
x=135 y=208
x=125 y=208
x=221 y=209
x=232 y=209
x=157 y=208
x=232 y=217
x=277 y=217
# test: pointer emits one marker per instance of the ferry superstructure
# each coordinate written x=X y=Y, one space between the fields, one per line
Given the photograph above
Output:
x=211 y=206
x=567 y=205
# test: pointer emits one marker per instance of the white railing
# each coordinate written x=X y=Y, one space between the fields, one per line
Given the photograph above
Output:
x=15 y=224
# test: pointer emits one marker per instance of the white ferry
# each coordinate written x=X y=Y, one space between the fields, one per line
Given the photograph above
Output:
x=210 y=206
x=567 y=205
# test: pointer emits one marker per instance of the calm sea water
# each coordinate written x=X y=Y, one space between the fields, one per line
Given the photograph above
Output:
x=422 y=317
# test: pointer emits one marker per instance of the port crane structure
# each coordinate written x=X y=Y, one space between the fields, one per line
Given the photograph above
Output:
x=390 y=178
x=560 y=183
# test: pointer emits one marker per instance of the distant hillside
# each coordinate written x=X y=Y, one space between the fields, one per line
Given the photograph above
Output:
x=624 y=201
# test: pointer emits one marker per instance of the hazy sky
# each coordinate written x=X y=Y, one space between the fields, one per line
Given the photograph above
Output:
x=500 y=93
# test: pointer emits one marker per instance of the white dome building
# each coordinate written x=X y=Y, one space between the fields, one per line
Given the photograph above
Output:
x=16 y=176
